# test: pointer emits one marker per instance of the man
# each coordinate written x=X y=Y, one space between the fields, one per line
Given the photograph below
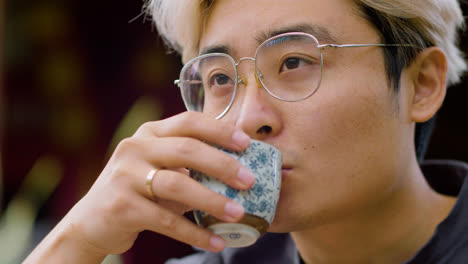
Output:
x=338 y=86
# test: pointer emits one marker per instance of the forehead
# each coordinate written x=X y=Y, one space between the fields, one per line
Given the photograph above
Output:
x=320 y=33
x=241 y=23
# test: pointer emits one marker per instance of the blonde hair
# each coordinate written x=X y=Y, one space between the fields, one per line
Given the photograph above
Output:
x=424 y=22
x=179 y=23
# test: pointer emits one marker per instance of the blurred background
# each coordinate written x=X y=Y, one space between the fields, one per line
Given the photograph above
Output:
x=77 y=77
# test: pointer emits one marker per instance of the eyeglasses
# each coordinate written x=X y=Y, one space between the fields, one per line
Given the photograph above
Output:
x=288 y=66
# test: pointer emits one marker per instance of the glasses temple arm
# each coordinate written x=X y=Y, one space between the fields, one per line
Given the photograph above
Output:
x=363 y=45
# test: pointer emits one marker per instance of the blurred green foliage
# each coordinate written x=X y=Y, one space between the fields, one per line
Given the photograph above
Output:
x=17 y=222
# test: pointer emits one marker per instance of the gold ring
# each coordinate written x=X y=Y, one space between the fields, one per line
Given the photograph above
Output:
x=149 y=182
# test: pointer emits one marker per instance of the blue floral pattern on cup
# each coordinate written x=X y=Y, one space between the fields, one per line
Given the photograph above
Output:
x=265 y=162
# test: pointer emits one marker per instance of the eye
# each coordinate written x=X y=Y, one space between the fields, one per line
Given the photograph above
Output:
x=293 y=63
x=220 y=79
x=220 y=85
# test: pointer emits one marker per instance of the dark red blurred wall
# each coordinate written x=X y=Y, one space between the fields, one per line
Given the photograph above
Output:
x=72 y=71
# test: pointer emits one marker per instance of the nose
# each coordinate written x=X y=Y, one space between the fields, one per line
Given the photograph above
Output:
x=257 y=111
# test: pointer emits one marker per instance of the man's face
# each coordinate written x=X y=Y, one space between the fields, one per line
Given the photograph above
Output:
x=344 y=147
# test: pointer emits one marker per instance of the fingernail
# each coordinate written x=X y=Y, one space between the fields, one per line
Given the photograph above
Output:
x=241 y=139
x=246 y=177
x=217 y=243
x=233 y=210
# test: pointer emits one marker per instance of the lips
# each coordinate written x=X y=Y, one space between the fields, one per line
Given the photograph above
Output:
x=285 y=170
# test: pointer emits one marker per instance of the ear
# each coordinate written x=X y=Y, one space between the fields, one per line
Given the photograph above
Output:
x=429 y=81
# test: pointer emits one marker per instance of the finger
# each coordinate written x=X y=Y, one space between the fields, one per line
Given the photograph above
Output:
x=177 y=152
x=174 y=186
x=183 y=153
x=197 y=125
x=165 y=222
x=172 y=205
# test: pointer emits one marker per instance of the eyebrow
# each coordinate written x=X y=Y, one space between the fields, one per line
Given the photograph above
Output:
x=216 y=49
x=321 y=33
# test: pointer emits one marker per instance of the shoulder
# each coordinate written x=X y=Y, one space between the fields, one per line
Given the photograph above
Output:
x=449 y=243
x=446 y=176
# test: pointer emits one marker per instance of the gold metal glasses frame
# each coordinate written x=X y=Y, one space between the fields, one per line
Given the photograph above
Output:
x=258 y=75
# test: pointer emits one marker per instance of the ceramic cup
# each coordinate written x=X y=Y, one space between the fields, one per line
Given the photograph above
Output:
x=259 y=202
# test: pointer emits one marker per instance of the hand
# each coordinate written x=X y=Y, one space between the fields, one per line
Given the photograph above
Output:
x=117 y=207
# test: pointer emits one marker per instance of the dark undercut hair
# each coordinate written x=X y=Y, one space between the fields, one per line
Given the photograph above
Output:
x=396 y=30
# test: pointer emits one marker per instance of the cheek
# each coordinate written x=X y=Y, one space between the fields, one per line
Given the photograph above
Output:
x=356 y=111
x=348 y=155
x=351 y=125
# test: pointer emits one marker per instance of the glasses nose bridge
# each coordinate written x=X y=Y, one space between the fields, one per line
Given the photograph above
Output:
x=243 y=59
x=242 y=80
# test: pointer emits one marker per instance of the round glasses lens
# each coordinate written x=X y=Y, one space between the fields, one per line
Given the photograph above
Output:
x=289 y=66
x=208 y=84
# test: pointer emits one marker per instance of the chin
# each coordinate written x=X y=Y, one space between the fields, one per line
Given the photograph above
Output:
x=283 y=227
x=283 y=222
